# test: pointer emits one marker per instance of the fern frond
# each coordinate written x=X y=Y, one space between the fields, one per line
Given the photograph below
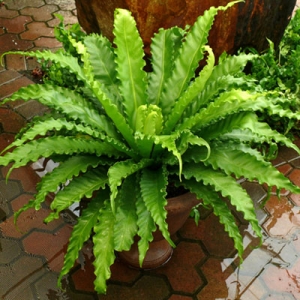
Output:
x=81 y=233
x=130 y=63
x=103 y=246
x=228 y=187
x=153 y=189
x=163 y=47
x=62 y=58
x=68 y=102
x=126 y=217
x=187 y=61
x=83 y=186
x=220 y=209
x=121 y=170
x=247 y=166
x=48 y=146
x=146 y=226
x=192 y=91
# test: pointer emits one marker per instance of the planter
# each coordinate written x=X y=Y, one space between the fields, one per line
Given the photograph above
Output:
x=160 y=251
x=246 y=24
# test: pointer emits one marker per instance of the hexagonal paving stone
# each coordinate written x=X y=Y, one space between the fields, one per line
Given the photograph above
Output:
x=43 y=13
x=8 y=13
x=11 y=189
x=19 y=275
x=181 y=265
x=10 y=250
x=142 y=289
x=15 y=25
x=36 y=30
x=19 y=4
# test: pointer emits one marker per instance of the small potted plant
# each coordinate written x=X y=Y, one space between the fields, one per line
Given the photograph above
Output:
x=121 y=135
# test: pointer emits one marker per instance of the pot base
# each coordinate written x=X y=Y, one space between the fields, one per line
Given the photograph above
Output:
x=158 y=254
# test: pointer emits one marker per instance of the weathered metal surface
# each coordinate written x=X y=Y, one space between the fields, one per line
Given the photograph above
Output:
x=245 y=24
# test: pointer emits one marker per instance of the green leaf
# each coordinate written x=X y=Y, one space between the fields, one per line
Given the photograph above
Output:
x=121 y=170
x=228 y=187
x=130 y=63
x=68 y=102
x=81 y=233
x=163 y=47
x=192 y=91
x=48 y=146
x=146 y=226
x=220 y=209
x=153 y=189
x=248 y=166
x=103 y=247
x=187 y=61
x=126 y=217
x=82 y=186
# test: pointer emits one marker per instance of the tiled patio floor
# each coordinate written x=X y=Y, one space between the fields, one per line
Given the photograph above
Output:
x=203 y=265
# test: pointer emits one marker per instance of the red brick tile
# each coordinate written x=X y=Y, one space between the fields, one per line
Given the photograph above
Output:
x=8 y=13
x=15 y=62
x=122 y=273
x=8 y=75
x=284 y=169
x=181 y=265
x=11 y=121
x=216 y=287
x=295 y=198
x=211 y=233
x=15 y=25
x=28 y=220
x=51 y=246
x=1 y=30
x=5 y=140
x=295 y=177
x=47 y=42
x=26 y=175
x=10 y=41
x=11 y=87
x=19 y=4
x=42 y=13
x=37 y=30
x=284 y=218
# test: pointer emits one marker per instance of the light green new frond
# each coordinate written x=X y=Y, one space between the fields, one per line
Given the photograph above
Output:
x=187 y=61
x=228 y=187
x=130 y=63
x=220 y=209
x=121 y=170
x=114 y=114
x=192 y=91
x=81 y=232
x=68 y=102
x=163 y=48
x=231 y=65
x=153 y=189
x=103 y=247
x=228 y=103
x=126 y=217
x=101 y=58
x=247 y=166
x=82 y=186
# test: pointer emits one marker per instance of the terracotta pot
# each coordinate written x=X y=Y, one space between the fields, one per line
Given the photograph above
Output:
x=245 y=24
x=160 y=251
